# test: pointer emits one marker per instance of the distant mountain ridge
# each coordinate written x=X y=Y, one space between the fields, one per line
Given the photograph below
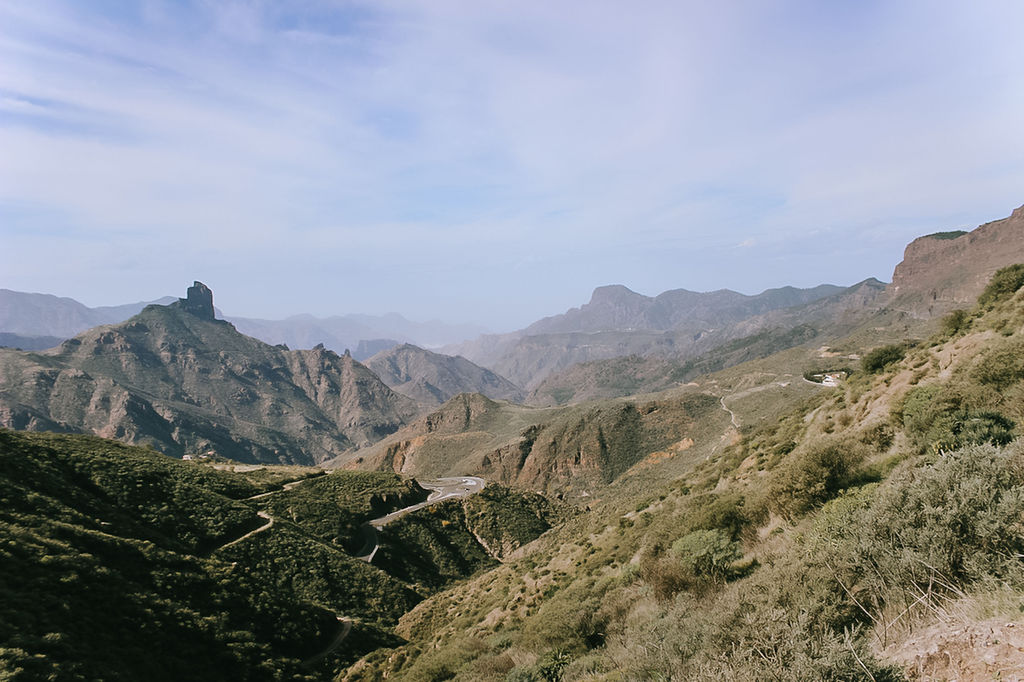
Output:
x=349 y=332
x=32 y=315
x=617 y=308
x=28 y=316
x=618 y=322
x=432 y=379
x=176 y=378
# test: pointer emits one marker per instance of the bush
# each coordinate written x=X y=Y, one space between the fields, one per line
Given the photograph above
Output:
x=955 y=322
x=815 y=474
x=727 y=512
x=938 y=528
x=707 y=554
x=881 y=357
x=1002 y=365
x=665 y=576
x=938 y=418
x=1004 y=284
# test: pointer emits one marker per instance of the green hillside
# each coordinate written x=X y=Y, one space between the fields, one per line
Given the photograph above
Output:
x=860 y=535
x=114 y=559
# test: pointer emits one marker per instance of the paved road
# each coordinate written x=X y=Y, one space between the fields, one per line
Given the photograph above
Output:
x=346 y=627
x=443 y=489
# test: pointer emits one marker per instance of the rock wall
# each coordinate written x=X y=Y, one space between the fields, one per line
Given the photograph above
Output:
x=938 y=275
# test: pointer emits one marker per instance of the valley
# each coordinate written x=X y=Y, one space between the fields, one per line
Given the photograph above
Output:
x=642 y=488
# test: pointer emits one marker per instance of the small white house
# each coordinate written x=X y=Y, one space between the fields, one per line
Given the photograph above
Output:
x=833 y=378
x=187 y=457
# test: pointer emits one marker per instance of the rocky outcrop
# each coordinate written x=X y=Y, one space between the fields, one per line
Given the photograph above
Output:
x=198 y=301
x=948 y=270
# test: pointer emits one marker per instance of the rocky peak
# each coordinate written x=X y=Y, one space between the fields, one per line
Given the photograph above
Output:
x=615 y=294
x=198 y=301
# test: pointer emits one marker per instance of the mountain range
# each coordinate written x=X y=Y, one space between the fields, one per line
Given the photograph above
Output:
x=706 y=509
x=176 y=378
x=37 y=321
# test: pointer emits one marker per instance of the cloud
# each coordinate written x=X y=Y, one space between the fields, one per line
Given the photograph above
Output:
x=573 y=143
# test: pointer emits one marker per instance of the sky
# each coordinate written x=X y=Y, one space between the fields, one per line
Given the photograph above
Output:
x=493 y=162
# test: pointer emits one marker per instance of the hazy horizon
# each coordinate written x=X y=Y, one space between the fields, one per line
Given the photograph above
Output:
x=489 y=164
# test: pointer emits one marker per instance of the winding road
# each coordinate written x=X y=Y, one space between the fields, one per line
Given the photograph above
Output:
x=442 y=489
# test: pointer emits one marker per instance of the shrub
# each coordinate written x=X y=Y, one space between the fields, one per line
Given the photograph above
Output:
x=1004 y=284
x=1002 y=365
x=665 y=576
x=815 y=474
x=951 y=234
x=937 y=528
x=955 y=322
x=727 y=512
x=881 y=357
x=707 y=554
x=938 y=418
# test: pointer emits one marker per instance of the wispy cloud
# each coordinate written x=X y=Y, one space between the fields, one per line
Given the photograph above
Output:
x=482 y=160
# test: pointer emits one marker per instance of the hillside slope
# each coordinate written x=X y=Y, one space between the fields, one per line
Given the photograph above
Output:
x=871 y=532
x=115 y=559
x=431 y=378
x=573 y=452
x=176 y=378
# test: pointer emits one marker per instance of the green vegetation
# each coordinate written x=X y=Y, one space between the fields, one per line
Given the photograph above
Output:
x=97 y=575
x=707 y=554
x=332 y=508
x=951 y=234
x=933 y=531
x=883 y=356
x=433 y=546
x=504 y=519
x=815 y=473
x=114 y=560
x=284 y=561
x=955 y=322
x=1002 y=286
x=799 y=552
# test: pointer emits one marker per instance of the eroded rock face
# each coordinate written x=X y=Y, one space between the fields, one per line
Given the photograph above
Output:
x=198 y=301
x=941 y=272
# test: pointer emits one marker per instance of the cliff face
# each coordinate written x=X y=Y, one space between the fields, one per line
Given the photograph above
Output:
x=175 y=378
x=941 y=272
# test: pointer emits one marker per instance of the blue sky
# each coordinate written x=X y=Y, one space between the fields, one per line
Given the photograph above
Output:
x=493 y=162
